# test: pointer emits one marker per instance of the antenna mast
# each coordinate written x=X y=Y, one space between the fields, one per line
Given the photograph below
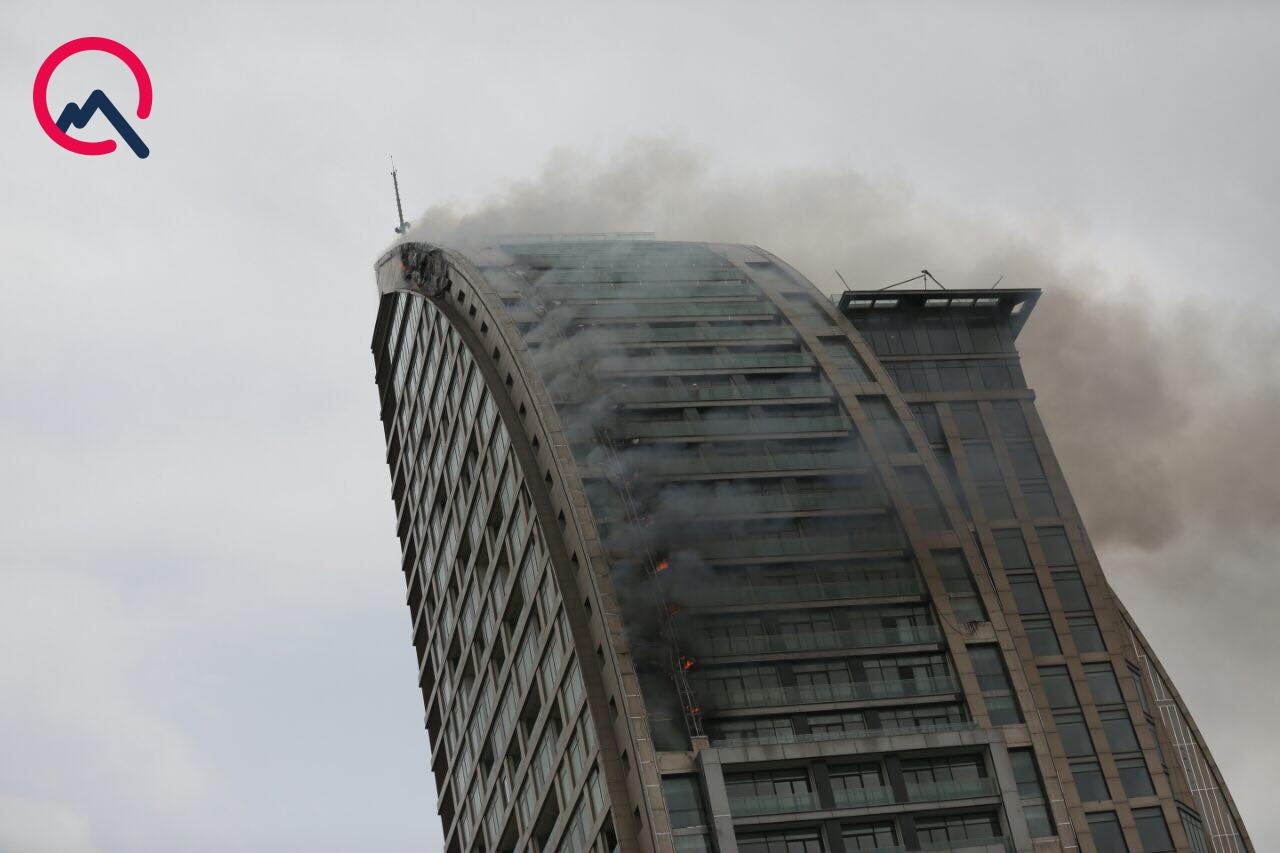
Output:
x=395 y=181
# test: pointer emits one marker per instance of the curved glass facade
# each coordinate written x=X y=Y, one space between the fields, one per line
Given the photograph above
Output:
x=698 y=559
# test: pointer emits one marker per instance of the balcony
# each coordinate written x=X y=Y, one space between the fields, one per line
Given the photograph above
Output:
x=994 y=844
x=778 y=738
x=635 y=311
x=667 y=365
x=811 y=694
x=822 y=640
x=750 y=549
x=713 y=393
x=689 y=465
x=729 y=595
x=730 y=426
x=700 y=334
x=952 y=789
x=856 y=798
x=760 y=804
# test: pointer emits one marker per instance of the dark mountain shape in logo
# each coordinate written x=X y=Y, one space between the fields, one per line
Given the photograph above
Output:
x=98 y=101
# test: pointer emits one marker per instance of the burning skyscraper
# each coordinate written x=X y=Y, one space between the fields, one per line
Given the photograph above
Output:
x=699 y=559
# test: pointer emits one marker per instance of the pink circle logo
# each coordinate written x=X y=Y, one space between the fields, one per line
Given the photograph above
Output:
x=79 y=115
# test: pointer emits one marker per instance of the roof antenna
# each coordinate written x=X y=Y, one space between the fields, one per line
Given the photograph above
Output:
x=842 y=281
x=395 y=181
x=997 y=284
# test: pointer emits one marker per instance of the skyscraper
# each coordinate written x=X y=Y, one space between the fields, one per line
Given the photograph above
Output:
x=699 y=559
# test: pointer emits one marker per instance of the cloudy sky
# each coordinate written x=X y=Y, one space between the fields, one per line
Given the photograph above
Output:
x=205 y=641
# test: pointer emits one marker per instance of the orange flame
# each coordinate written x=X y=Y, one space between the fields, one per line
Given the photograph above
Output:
x=662 y=566
x=687 y=663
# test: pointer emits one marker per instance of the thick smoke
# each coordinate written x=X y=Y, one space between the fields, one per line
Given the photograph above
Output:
x=1159 y=407
x=1162 y=407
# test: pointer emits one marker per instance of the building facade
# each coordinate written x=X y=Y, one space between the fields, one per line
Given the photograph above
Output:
x=698 y=559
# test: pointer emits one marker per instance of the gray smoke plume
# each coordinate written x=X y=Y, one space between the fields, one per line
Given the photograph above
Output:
x=1162 y=408
x=1149 y=398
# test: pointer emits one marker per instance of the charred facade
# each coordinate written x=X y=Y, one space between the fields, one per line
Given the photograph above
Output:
x=699 y=559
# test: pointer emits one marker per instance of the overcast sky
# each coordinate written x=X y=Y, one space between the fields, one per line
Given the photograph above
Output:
x=205 y=645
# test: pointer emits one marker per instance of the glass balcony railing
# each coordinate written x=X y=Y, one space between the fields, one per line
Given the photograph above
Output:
x=730 y=595
x=731 y=426
x=757 y=804
x=864 y=540
x=711 y=393
x=970 y=845
x=697 y=334
x=773 y=738
x=853 y=798
x=810 y=694
x=820 y=640
x=643 y=310
x=668 y=364
x=952 y=789
x=686 y=465
x=735 y=426
x=574 y=292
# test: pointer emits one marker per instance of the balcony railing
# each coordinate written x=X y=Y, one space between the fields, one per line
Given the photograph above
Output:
x=775 y=738
x=854 y=798
x=696 y=334
x=730 y=426
x=642 y=310
x=686 y=465
x=952 y=789
x=711 y=393
x=818 y=640
x=758 y=804
x=811 y=694
x=667 y=364
x=970 y=845
x=727 y=549
x=728 y=595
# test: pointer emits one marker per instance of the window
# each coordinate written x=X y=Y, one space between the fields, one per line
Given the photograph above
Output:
x=926 y=415
x=684 y=801
x=995 y=500
x=848 y=366
x=1074 y=734
x=997 y=690
x=1071 y=590
x=886 y=424
x=1042 y=637
x=1085 y=633
x=1141 y=691
x=1040 y=502
x=1056 y=547
x=1012 y=549
x=1009 y=417
x=923 y=499
x=1027 y=596
x=1106 y=833
x=869 y=836
x=958 y=582
x=1119 y=730
x=693 y=844
x=968 y=420
x=1103 y=684
x=1195 y=832
x=1153 y=831
x=793 y=841
x=1090 y=782
x=1134 y=776
x=1058 y=689
x=938 y=830
x=1031 y=792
